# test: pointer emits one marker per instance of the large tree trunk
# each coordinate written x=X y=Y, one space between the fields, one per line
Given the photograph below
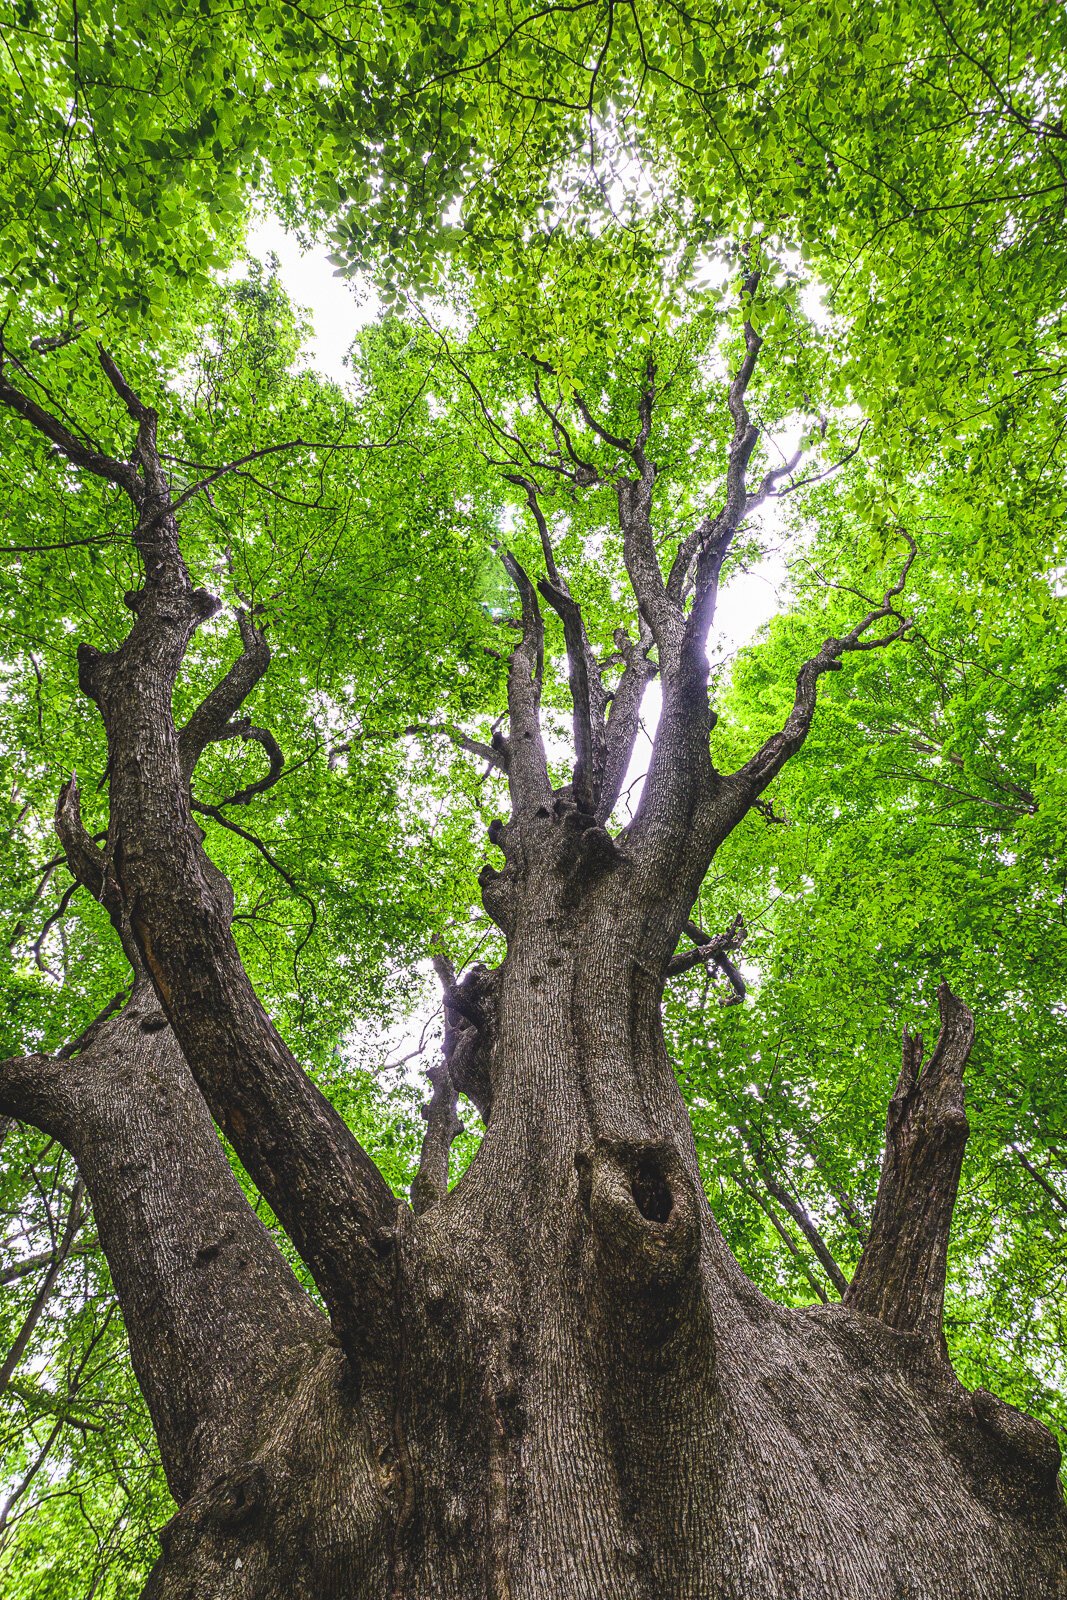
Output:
x=591 y=1400
x=552 y=1382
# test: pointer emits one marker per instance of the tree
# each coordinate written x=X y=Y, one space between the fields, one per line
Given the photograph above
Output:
x=552 y=1377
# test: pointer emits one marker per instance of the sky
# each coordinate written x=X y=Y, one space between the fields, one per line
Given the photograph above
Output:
x=338 y=307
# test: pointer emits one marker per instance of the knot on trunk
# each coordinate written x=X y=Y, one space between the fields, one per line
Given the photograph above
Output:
x=232 y=1503
x=644 y=1218
x=498 y=895
x=91 y=664
x=588 y=853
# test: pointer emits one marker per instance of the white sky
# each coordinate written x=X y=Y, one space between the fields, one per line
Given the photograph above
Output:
x=338 y=306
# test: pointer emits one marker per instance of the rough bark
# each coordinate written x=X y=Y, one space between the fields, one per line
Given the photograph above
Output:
x=216 y=1319
x=553 y=1381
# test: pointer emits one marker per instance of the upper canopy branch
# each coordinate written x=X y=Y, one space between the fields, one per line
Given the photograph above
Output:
x=87 y=456
x=750 y=780
x=698 y=562
x=529 y=489
x=495 y=753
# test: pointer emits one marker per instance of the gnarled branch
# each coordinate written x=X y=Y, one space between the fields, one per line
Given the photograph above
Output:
x=749 y=781
x=714 y=950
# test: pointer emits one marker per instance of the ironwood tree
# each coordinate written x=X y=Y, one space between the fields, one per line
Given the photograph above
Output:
x=551 y=1378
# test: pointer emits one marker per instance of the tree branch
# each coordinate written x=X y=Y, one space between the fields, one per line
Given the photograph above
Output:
x=496 y=754
x=659 y=609
x=323 y=1187
x=443 y=1127
x=85 y=456
x=530 y=490
x=624 y=716
x=75 y=1214
x=469 y=1006
x=588 y=696
x=699 y=559
x=755 y=1195
x=527 y=764
x=804 y=1222
x=749 y=781
x=900 y=1278
x=212 y=719
x=715 y=950
x=215 y=1318
x=84 y=859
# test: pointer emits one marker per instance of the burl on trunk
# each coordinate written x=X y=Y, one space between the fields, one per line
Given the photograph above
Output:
x=552 y=1382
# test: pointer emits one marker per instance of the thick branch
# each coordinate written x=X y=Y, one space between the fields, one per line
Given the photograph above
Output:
x=529 y=489
x=672 y=816
x=88 y=457
x=325 y=1190
x=624 y=717
x=212 y=719
x=527 y=765
x=901 y=1274
x=658 y=608
x=215 y=1318
x=469 y=1006
x=443 y=1127
x=84 y=858
x=588 y=696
